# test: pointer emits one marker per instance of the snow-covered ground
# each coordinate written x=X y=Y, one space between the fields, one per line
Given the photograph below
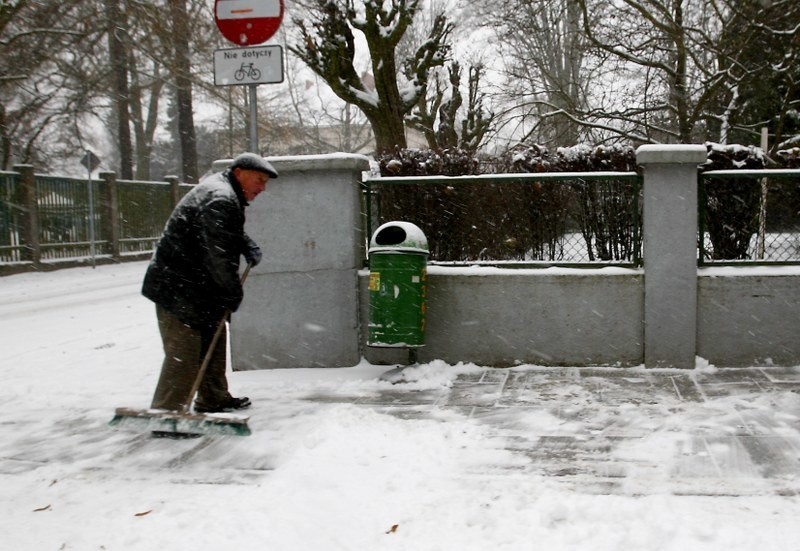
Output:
x=328 y=467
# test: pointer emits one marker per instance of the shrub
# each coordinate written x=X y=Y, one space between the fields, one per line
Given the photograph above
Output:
x=515 y=221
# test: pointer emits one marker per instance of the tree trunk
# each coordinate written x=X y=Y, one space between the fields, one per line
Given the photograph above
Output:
x=144 y=125
x=389 y=132
x=386 y=117
x=120 y=95
x=183 y=88
x=680 y=94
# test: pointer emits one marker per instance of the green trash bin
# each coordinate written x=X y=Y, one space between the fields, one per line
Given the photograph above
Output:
x=398 y=258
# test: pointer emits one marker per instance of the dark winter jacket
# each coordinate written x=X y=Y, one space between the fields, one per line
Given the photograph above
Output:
x=194 y=273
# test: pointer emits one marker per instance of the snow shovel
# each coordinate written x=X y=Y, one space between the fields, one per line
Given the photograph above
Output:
x=185 y=422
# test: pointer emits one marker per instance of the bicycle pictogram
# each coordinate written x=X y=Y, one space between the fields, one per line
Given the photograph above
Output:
x=247 y=70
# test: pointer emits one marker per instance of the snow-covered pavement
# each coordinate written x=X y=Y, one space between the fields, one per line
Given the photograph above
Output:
x=459 y=458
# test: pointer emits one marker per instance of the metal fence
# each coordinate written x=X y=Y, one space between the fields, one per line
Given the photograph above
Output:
x=549 y=218
x=143 y=210
x=69 y=225
x=49 y=219
x=749 y=216
x=553 y=218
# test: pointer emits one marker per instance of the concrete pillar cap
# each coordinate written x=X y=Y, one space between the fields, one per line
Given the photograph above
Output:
x=671 y=154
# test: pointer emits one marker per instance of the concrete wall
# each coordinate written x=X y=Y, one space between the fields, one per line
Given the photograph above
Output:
x=306 y=305
x=745 y=317
x=749 y=316
x=498 y=317
x=301 y=302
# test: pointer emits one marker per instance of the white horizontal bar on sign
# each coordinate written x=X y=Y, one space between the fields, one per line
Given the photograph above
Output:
x=248 y=9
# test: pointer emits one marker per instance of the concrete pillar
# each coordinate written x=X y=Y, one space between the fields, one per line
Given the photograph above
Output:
x=174 y=189
x=110 y=202
x=301 y=303
x=670 y=253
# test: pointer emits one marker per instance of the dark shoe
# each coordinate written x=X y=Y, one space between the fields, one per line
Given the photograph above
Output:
x=174 y=435
x=229 y=405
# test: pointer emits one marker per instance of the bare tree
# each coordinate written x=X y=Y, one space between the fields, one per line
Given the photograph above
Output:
x=144 y=119
x=308 y=118
x=37 y=41
x=168 y=53
x=437 y=115
x=687 y=66
x=544 y=52
x=328 y=46
x=763 y=38
x=147 y=79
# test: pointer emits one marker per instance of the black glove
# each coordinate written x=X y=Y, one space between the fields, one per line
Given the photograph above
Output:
x=252 y=253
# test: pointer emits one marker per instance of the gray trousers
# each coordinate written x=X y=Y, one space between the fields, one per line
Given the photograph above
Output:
x=184 y=350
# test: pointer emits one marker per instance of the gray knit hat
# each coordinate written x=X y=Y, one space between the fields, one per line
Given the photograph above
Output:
x=251 y=161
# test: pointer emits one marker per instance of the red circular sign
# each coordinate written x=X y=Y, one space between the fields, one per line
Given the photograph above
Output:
x=248 y=22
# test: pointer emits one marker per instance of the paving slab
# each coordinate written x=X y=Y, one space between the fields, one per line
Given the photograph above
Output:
x=630 y=431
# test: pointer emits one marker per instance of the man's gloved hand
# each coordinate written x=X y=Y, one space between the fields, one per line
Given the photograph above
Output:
x=252 y=252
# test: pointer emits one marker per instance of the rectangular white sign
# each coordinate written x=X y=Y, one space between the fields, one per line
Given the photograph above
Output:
x=248 y=9
x=253 y=65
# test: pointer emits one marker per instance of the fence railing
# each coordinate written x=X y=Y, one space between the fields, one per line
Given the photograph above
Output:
x=50 y=219
x=749 y=216
x=551 y=218
x=744 y=216
x=143 y=210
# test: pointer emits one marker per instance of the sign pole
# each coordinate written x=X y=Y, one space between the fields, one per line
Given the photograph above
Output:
x=247 y=23
x=90 y=161
x=254 y=119
x=762 y=207
x=91 y=214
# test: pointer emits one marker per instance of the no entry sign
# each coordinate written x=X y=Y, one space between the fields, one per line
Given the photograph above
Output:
x=248 y=22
